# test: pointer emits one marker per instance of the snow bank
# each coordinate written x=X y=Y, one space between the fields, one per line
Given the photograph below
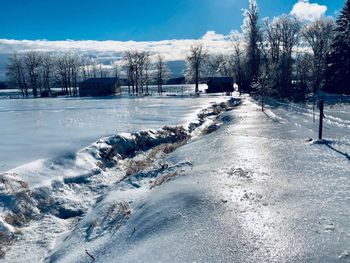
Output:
x=92 y=180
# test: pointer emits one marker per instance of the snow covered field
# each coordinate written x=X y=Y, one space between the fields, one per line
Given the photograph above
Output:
x=33 y=129
x=239 y=186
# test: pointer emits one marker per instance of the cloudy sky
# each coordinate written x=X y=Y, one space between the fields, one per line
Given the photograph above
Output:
x=106 y=28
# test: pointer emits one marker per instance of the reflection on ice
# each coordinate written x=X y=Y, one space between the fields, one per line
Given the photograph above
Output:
x=32 y=129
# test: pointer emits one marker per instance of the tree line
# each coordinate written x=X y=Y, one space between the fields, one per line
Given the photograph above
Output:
x=282 y=57
x=39 y=72
x=286 y=57
x=141 y=70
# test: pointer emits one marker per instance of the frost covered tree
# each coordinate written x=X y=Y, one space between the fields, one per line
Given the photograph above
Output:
x=281 y=37
x=68 y=70
x=135 y=65
x=32 y=61
x=196 y=62
x=220 y=65
x=252 y=33
x=337 y=77
x=146 y=75
x=212 y=64
x=238 y=67
x=15 y=72
x=318 y=35
x=273 y=39
x=48 y=70
x=304 y=74
x=161 y=72
x=290 y=29
x=128 y=66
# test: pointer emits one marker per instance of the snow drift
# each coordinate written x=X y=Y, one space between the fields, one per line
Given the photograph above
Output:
x=81 y=193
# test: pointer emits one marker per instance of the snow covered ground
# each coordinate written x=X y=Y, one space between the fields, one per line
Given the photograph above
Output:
x=65 y=125
x=246 y=186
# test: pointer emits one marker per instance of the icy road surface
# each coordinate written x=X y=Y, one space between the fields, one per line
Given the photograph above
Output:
x=253 y=191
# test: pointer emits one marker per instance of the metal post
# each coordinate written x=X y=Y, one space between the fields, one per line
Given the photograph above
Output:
x=321 y=105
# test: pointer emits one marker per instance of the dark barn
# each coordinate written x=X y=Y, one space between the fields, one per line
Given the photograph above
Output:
x=219 y=85
x=99 y=87
x=3 y=85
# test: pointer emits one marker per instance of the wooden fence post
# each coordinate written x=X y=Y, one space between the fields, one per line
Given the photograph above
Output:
x=321 y=105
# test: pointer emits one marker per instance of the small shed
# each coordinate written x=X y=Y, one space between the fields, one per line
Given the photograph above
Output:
x=99 y=87
x=220 y=84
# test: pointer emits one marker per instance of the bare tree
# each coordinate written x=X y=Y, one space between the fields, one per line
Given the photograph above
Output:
x=319 y=35
x=290 y=28
x=282 y=37
x=74 y=66
x=273 y=37
x=136 y=66
x=238 y=59
x=129 y=69
x=115 y=69
x=93 y=68
x=196 y=60
x=84 y=68
x=32 y=61
x=48 y=68
x=212 y=65
x=16 y=73
x=272 y=52
x=220 y=65
x=162 y=72
x=253 y=37
x=147 y=70
x=62 y=72
x=304 y=72
x=102 y=69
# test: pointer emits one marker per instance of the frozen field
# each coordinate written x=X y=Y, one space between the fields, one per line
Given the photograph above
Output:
x=33 y=129
x=245 y=186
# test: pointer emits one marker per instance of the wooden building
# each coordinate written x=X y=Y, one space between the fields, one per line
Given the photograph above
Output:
x=220 y=84
x=99 y=87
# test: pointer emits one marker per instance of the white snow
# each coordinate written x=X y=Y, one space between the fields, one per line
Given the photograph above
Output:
x=254 y=190
x=65 y=125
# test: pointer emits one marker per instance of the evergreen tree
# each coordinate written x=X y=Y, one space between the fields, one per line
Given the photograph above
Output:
x=337 y=77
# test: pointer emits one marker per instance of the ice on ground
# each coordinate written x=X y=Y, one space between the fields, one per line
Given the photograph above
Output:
x=253 y=190
x=68 y=188
x=65 y=125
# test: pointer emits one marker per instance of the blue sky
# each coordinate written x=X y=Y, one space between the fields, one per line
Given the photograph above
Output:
x=139 y=20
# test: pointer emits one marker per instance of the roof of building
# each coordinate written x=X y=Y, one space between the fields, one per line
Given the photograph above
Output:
x=220 y=79
x=104 y=81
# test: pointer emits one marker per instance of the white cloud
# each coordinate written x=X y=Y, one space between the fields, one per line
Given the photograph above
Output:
x=171 y=50
x=305 y=10
x=213 y=36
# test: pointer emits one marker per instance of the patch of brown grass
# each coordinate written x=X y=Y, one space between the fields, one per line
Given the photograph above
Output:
x=15 y=219
x=163 y=179
x=179 y=132
x=124 y=208
x=169 y=148
x=135 y=166
x=210 y=129
x=217 y=110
